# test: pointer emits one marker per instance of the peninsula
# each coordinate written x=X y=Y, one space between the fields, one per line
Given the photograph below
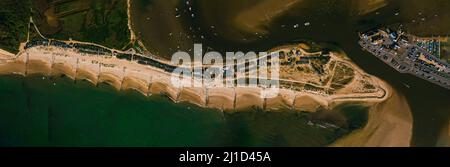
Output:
x=309 y=78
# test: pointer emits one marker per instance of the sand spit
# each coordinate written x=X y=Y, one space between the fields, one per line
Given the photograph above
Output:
x=148 y=80
x=389 y=125
x=221 y=98
x=6 y=53
x=13 y=67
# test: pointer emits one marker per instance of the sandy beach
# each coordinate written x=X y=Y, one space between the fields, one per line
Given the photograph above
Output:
x=221 y=98
x=195 y=96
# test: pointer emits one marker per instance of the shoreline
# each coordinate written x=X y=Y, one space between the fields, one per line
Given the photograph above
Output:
x=390 y=124
x=123 y=75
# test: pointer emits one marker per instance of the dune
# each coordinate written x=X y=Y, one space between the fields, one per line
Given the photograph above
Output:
x=64 y=66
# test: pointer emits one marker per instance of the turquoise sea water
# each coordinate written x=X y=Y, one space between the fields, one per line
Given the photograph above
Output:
x=41 y=111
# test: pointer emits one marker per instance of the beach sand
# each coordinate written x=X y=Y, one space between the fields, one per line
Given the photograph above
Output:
x=132 y=83
x=284 y=100
x=16 y=67
x=389 y=125
x=64 y=66
x=221 y=98
x=308 y=103
x=195 y=96
x=247 y=97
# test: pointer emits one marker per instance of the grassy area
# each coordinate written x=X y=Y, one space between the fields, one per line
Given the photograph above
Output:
x=343 y=76
x=14 y=16
x=103 y=22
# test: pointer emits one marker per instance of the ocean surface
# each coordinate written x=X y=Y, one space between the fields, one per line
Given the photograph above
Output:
x=42 y=111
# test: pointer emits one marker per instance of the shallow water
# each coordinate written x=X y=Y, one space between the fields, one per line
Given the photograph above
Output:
x=40 y=111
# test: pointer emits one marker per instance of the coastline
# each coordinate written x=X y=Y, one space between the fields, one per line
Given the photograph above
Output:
x=123 y=75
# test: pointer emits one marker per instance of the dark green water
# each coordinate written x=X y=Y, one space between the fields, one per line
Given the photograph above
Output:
x=38 y=111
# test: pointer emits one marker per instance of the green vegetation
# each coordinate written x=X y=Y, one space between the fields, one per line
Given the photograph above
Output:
x=103 y=22
x=14 y=17
x=343 y=76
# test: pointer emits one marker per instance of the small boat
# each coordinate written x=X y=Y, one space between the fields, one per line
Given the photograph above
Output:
x=321 y=126
x=406 y=85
